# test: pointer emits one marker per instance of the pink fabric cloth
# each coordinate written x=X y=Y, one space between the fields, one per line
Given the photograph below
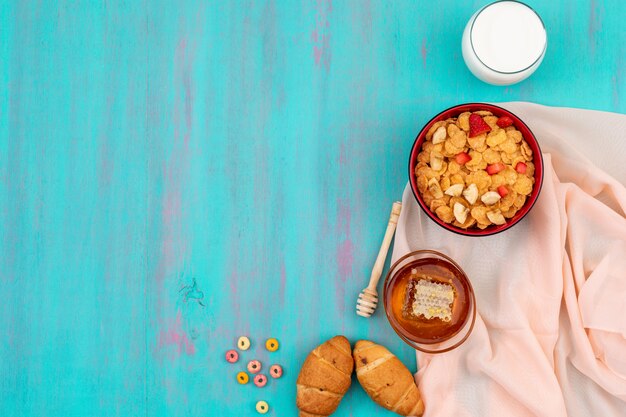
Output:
x=550 y=334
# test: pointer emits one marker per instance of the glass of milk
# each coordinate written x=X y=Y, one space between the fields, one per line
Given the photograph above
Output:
x=504 y=42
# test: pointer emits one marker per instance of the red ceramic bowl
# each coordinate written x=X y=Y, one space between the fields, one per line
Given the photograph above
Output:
x=528 y=136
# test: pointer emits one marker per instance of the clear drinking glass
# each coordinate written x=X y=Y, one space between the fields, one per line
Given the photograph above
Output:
x=429 y=335
x=504 y=42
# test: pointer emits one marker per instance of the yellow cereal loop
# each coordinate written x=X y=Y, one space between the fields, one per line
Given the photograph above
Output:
x=262 y=407
x=242 y=378
x=271 y=345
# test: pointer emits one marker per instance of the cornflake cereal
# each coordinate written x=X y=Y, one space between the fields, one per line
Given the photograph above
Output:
x=475 y=171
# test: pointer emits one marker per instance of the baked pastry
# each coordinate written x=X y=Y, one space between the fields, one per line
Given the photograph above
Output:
x=386 y=380
x=324 y=378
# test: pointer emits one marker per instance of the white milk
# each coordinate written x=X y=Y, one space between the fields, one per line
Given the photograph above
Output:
x=504 y=42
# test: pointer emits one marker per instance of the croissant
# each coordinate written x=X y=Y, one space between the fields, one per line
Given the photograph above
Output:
x=324 y=378
x=386 y=380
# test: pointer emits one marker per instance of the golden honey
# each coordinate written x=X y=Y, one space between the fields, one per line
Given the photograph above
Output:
x=401 y=294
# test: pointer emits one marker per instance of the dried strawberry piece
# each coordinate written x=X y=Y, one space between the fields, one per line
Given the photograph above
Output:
x=520 y=167
x=502 y=190
x=477 y=125
x=495 y=168
x=462 y=158
x=504 y=121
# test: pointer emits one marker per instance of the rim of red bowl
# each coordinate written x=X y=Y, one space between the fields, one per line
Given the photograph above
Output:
x=527 y=134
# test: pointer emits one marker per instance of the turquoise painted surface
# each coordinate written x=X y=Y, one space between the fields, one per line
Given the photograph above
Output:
x=255 y=147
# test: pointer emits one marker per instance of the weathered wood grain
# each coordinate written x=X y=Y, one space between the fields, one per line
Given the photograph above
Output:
x=250 y=147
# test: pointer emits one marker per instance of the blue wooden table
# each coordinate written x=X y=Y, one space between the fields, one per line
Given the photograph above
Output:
x=253 y=148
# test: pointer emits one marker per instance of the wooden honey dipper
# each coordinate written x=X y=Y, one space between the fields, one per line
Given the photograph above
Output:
x=368 y=298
